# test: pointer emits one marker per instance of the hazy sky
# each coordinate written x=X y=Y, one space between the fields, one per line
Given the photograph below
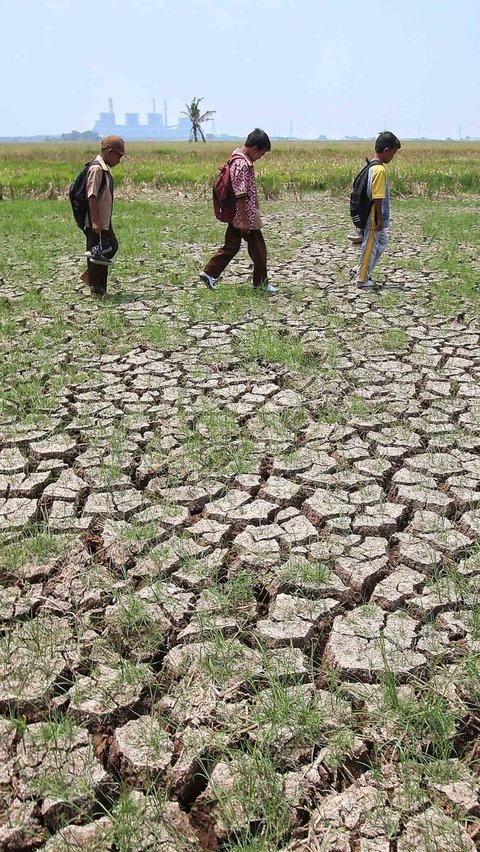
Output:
x=339 y=68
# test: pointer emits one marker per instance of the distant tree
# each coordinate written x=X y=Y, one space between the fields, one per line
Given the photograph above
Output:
x=77 y=136
x=196 y=118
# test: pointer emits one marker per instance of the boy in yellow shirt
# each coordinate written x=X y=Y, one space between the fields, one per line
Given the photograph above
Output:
x=375 y=235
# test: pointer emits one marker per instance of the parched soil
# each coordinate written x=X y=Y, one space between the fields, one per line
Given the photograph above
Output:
x=260 y=627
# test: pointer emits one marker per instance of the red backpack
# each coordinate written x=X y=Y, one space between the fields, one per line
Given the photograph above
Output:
x=224 y=201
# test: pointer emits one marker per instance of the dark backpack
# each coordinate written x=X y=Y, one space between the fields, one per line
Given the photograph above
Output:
x=77 y=193
x=224 y=201
x=360 y=203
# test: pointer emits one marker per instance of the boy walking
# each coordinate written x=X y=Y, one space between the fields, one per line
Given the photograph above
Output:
x=102 y=243
x=375 y=235
x=247 y=224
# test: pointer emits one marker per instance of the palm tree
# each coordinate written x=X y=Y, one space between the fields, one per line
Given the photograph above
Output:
x=193 y=115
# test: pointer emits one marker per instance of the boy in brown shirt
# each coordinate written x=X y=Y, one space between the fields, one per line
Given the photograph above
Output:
x=101 y=240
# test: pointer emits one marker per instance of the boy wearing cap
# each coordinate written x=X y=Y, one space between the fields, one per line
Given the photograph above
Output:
x=101 y=240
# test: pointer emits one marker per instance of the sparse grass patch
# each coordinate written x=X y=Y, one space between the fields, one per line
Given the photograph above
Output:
x=230 y=597
x=422 y=714
x=264 y=344
x=394 y=340
x=282 y=424
x=357 y=406
x=281 y=707
x=36 y=544
x=390 y=300
x=295 y=570
x=227 y=661
x=256 y=810
x=232 y=302
x=141 y=533
x=139 y=821
x=214 y=441
x=457 y=239
x=161 y=334
x=330 y=413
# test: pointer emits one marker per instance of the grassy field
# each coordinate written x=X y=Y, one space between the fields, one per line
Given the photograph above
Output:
x=420 y=169
x=111 y=411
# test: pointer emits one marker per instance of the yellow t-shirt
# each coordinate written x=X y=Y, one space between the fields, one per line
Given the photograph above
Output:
x=377 y=188
x=379 y=181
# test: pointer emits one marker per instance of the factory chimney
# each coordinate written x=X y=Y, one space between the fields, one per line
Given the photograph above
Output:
x=110 y=105
x=165 y=115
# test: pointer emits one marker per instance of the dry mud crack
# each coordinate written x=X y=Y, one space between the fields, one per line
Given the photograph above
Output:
x=260 y=620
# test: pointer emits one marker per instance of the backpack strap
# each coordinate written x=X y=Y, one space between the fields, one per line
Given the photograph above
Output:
x=104 y=175
x=235 y=157
x=368 y=165
x=102 y=183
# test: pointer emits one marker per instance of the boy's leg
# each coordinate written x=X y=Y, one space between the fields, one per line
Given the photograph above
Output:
x=112 y=241
x=373 y=245
x=97 y=275
x=97 y=278
x=258 y=253
x=367 y=254
x=381 y=245
x=223 y=256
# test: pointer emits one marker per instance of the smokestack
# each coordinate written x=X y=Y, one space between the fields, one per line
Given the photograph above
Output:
x=165 y=116
x=154 y=106
x=110 y=105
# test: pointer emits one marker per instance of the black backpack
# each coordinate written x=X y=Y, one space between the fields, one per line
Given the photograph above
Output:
x=77 y=193
x=360 y=203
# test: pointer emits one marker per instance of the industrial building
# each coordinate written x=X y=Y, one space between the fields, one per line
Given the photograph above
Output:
x=156 y=129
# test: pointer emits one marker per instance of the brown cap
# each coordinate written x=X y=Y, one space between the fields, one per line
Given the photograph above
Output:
x=113 y=143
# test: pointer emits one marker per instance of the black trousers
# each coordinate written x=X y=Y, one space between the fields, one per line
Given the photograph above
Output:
x=98 y=275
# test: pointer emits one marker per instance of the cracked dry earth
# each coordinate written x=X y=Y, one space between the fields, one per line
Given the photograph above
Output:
x=262 y=624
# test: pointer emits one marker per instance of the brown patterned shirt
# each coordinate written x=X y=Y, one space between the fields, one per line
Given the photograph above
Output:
x=242 y=175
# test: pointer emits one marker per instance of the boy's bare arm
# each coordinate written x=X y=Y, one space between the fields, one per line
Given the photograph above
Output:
x=378 y=202
x=242 y=209
x=94 y=214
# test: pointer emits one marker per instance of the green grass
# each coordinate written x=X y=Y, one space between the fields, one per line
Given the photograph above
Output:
x=161 y=334
x=393 y=340
x=455 y=233
x=287 y=707
x=257 y=798
x=420 y=169
x=229 y=597
x=37 y=544
x=452 y=237
x=305 y=572
x=264 y=344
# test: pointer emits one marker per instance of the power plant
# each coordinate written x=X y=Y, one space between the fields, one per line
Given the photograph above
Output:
x=155 y=130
